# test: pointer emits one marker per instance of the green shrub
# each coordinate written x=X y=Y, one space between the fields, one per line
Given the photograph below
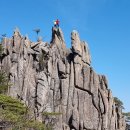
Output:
x=118 y=102
x=51 y=113
x=3 y=82
x=13 y=105
x=1 y=50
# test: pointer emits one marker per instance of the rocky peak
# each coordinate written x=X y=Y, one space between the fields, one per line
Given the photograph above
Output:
x=80 y=48
x=76 y=43
x=57 y=36
x=17 y=32
x=51 y=78
x=57 y=42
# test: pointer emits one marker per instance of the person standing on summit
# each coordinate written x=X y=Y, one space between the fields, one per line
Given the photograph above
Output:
x=56 y=23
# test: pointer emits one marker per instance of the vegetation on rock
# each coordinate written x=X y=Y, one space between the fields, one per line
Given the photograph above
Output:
x=3 y=82
x=1 y=50
x=13 y=113
x=127 y=114
x=118 y=102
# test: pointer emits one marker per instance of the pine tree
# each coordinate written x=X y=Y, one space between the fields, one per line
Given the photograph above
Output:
x=118 y=102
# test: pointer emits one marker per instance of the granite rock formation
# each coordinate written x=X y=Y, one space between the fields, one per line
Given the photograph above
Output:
x=52 y=78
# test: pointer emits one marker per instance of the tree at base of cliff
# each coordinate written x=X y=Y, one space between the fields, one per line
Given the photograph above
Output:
x=11 y=110
x=3 y=82
x=13 y=113
x=1 y=50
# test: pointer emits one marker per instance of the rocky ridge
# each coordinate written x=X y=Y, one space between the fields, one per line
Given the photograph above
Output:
x=52 y=78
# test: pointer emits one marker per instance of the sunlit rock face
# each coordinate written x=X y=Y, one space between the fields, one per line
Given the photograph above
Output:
x=52 y=78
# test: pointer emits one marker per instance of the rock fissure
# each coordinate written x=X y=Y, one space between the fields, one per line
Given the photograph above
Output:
x=84 y=90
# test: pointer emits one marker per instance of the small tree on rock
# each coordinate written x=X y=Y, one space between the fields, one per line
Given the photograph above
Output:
x=118 y=102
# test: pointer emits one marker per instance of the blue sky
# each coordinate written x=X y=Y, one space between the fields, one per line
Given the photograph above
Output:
x=104 y=24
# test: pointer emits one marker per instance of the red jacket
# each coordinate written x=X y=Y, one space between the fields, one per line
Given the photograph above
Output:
x=57 y=22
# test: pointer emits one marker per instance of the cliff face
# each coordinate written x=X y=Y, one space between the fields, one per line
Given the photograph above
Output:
x=52 y=78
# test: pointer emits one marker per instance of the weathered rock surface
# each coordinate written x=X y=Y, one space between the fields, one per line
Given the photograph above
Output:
x=52 y=78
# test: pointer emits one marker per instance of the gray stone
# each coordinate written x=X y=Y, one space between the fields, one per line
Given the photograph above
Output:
x=65 y=84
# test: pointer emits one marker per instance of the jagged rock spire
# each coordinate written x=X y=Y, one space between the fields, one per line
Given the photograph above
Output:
x=76 y=43
x=17 y=32
x=57 y=35
x=58 y=41
x=80 y=47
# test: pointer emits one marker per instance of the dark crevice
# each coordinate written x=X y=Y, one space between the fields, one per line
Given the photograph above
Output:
x=86 y=63
x=70 y=57
x=36 y=103
x=102 y=101
x=83 y=90
x=90 y=94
